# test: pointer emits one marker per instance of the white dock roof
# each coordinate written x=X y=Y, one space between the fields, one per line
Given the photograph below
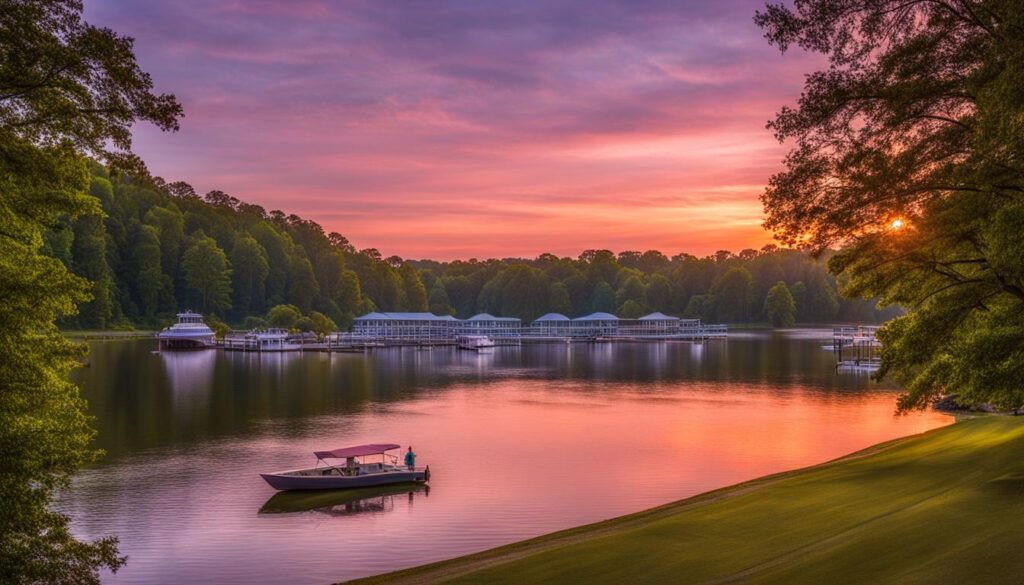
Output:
x=552 y=317
x=599 y=316
x=658 y=316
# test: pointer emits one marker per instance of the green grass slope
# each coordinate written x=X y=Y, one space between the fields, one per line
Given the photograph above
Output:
x=943 y=507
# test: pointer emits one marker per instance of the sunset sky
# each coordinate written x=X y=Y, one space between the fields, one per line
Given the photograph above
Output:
x=466 y=129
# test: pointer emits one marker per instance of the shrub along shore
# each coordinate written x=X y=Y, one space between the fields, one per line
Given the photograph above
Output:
x=941 y=507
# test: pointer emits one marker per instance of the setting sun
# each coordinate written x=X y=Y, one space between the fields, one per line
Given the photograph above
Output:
x=896 y=224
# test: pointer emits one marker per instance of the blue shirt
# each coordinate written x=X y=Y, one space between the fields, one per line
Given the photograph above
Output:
x=410 y=458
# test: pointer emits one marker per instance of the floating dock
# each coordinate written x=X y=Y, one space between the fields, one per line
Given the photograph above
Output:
x=856 y=348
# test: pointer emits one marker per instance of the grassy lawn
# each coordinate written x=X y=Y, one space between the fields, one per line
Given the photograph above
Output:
x=943 y=507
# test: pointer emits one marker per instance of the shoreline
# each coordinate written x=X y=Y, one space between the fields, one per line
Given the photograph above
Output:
x=588 y=551
x=105 y=334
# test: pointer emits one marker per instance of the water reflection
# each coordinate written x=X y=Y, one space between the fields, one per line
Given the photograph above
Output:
x=344 y=502
x=508 y=436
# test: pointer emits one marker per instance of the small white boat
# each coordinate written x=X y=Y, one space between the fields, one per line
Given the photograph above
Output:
x=190 y=332
x=265 y=340
x=474 y=342
x=275 y=340
x=355 y=472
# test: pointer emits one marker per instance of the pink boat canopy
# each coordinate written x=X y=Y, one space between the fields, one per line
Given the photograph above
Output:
x=357 y=451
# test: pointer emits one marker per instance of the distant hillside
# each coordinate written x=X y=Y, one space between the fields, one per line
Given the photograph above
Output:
x=162 y=248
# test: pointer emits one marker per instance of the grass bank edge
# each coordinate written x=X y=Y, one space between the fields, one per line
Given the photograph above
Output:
x=599 y=529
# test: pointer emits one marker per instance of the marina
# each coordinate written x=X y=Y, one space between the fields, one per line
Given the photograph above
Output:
x=425 y=330
x=508 y=434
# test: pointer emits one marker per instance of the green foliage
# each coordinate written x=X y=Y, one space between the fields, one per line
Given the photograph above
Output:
x=249 y=270
x=439 y=303
x=145 y=275
x=66 y=89
x=284 y=316
x=207 y=274
x=560 y=301
x=415 y=292
x=779 y=306
x=253 y=322
x=918 y=118
x=321 y=324
x=631 y=310
x=302 y=284
x=659 y=291
x=89 y=251
x=220 y=328
x=632 y=289
x=733 y=294
x=603 y=298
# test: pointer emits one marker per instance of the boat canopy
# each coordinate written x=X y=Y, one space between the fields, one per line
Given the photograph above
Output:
x=357 y=451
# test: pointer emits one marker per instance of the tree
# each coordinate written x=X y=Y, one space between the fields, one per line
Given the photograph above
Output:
x=821 y=304
x=603 y=298
x=415 y=292
x=799 y=292
x=462 y=294
x=146 y=279
x=170 y=225
x=631 y=310
x=322 y=325
x=632 y=289
x=700 y=307
x=779 y=306
x=559 y=299
x=907 y=154
x=66 y=88
x=732 y=295
x=249 y=275
x=89 y=260
x=304 y=324
x=302 y=284
x=284 y=316
x=220 y=328
x=207 y=274
x=659 y=293
x=278 y=250
x=439 y=303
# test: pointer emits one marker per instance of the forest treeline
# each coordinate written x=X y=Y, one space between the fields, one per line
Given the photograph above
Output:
x=162 y=248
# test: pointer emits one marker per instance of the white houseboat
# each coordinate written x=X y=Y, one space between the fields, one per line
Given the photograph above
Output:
x=474 y=342
x=270 y=340
x=190 y=332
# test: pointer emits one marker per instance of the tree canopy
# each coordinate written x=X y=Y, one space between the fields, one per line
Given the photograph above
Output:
x=907 y=152
x=67 y=89
x=779 y=306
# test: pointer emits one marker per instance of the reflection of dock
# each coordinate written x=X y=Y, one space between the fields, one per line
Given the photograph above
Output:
x=856 y=348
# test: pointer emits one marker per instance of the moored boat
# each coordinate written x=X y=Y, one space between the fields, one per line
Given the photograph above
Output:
x=190 y=332
x=474 y=342
x=356 y=471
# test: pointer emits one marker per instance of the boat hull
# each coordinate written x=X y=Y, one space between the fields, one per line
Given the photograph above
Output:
x=180 y=343
x=286 y=481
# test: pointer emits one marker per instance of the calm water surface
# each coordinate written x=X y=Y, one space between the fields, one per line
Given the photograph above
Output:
x=521 y=441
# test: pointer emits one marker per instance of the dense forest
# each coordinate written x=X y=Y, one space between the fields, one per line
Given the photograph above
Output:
x=162 y=248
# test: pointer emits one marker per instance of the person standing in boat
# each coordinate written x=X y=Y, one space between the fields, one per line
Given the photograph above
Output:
x=410 y=459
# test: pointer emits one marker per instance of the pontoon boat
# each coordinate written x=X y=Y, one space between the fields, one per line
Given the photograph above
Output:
x=353 y=470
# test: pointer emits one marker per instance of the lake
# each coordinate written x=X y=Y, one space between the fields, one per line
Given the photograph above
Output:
x=522 y=441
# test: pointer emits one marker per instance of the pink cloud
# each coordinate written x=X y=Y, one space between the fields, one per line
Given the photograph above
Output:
x=472 y=130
